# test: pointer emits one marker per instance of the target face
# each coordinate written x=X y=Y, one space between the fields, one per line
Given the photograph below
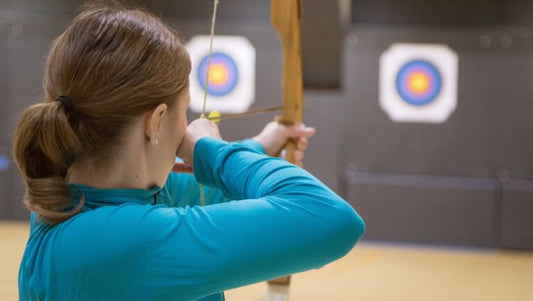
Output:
x=418 y=82
x=231 y=86
x=223 y=74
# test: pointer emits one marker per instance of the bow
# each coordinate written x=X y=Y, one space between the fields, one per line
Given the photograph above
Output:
x=285 y=15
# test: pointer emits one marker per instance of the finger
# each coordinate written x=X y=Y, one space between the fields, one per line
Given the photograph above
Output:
x=302 y=143
x=300 y=131
x=299 y=163
x=298 y=155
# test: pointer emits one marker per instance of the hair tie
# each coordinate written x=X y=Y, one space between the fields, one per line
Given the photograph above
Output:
x=67 y=103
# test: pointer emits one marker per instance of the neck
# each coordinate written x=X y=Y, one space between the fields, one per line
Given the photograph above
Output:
x=126 y=168
x=122 y=173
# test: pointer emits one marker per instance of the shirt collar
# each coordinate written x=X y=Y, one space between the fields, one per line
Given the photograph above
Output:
x=98 y=197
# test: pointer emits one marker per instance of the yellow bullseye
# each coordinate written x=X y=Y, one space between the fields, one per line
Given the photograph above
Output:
x=418 y=83
x=218 y=74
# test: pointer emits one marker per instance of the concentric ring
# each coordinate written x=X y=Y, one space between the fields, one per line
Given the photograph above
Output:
x=419 y=82
x=223 y=77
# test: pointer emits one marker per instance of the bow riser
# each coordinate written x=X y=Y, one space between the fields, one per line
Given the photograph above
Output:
x=285 y=16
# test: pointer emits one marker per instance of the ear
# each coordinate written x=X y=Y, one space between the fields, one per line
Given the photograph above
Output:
x=153 y=123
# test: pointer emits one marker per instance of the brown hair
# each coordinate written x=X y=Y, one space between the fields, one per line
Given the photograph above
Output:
x=113 y=64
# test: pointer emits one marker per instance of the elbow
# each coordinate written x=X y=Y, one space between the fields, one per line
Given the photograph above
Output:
x=348 y=230
x=358 y=226
x=352 y=223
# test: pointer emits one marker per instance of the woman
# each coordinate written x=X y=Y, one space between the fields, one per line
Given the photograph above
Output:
x=108 y=220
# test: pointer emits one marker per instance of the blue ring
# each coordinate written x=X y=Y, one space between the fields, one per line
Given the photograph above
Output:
x=435 y=85
x=233 y=74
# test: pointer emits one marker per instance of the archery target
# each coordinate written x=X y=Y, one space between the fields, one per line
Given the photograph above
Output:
x=231 y=87
x=418 y=82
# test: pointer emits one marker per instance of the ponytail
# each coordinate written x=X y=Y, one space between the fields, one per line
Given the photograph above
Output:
x=44 y=147
x=108 y=68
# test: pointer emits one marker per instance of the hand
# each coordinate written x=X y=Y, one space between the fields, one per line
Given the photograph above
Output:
x=275 y=135
x=196 y=130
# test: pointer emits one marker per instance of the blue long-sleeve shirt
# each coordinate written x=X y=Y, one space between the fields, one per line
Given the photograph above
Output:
x=158 y=244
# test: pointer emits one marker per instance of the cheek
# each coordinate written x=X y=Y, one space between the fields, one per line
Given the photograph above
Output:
x=180 y=127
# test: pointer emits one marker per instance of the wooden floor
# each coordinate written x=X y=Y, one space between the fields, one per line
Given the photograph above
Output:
x=371 y=272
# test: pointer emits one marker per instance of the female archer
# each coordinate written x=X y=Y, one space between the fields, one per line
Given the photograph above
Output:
x=109 y=221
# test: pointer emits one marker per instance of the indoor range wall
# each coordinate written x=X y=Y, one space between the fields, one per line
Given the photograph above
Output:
x=467 y=181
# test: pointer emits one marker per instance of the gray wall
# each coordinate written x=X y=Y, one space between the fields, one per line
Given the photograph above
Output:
x=443 y=12
x=465 y=182
x=26 y=30
x=450 y=183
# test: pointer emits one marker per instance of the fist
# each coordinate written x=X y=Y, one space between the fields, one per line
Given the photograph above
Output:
x=196 y=130
x=275 y=135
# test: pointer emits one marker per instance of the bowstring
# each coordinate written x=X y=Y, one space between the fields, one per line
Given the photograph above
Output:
x=206 y=87
x=211 y=38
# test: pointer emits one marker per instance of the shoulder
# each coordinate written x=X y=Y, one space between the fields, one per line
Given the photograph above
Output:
x=120 y=220
x=108 y=233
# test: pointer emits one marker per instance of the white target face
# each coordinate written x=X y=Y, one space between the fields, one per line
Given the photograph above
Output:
x=418 y=82
x=231 y=86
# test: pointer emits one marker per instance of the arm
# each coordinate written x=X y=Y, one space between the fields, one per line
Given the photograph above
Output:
x=287 y=222
x=182 y=189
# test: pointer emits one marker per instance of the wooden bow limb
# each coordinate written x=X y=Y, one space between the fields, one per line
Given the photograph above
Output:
x=286 y=19
x=285 y=15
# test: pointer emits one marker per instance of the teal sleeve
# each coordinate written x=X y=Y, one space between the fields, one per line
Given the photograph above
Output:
x=182 y=189
x=285 y=222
